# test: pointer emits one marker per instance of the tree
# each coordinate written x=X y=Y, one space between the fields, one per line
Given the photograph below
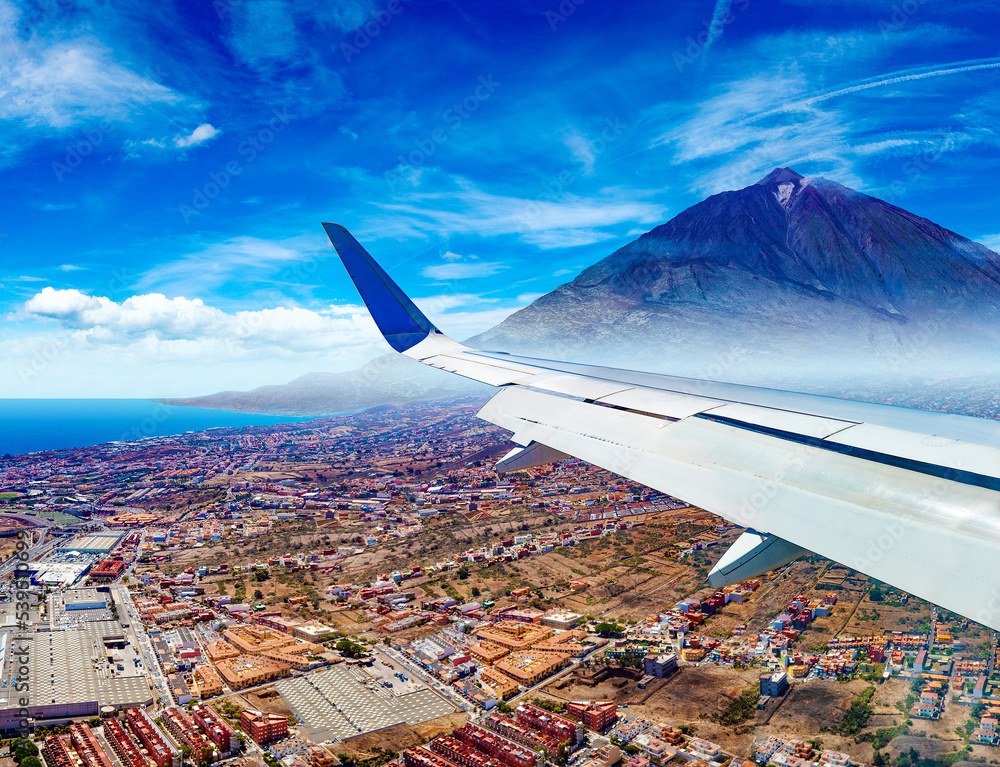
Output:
x=349 y=648
x=608 y=629
x=31 y=761
x=22 y=749
x=258 y=594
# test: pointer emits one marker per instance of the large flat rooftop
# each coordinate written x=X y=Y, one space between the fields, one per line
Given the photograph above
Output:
x=337 y=704
x=93 y=543
x=74 y=671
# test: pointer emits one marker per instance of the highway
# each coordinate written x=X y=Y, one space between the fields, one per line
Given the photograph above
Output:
x=37 y=551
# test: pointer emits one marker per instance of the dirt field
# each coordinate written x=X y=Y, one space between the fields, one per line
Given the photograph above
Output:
x=398 y=738
x=611 y=683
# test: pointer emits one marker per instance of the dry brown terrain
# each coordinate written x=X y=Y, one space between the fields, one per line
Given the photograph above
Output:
x=398 y=738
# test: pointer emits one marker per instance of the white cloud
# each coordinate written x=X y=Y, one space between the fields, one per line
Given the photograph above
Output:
x=153 y=316
x=152 y=346
x=445 y=302
x=462 y=271
x=777 y=117
x=199 y=135
x=581 y=149
x=70 y=82
x=991 y=241
x=69 y=268
x=248 y=259
x=718 y=24
x=465 y=209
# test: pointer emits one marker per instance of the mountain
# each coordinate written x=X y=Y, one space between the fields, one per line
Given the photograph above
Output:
x=789 y=273
x=389 y=379
x=791 y=282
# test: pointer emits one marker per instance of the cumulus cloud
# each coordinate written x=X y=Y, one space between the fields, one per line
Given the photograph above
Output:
x=199 y=135
x=154 y=316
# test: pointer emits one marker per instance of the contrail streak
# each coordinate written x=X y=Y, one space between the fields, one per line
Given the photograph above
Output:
x=716 y=27
x=890 y=80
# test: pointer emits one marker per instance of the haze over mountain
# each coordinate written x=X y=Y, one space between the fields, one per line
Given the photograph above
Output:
x=786 y=280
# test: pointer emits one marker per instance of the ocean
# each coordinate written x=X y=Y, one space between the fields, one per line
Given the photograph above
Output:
x=30 y=425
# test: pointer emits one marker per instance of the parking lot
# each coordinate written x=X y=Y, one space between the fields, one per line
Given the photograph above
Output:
x=345 y=702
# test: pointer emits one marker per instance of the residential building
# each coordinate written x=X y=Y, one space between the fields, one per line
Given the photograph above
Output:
x=506 y=751
x=86 y=745
x=263 y=727
x=562 y=729
x=217 y=729
x=57 y=752
x=774 y=685
x=596 y=715
x=660 y=666
x=162 y=754
x=129 y=754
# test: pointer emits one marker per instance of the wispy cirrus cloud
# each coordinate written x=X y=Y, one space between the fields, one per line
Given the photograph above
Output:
x=467 y=268
x=545 y=221
x=777 y=115
x=245 y=259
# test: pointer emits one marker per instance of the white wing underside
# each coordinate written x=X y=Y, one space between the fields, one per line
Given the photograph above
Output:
x=908 y=497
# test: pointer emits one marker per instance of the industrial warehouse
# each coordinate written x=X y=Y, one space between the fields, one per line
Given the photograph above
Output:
x=79 y=663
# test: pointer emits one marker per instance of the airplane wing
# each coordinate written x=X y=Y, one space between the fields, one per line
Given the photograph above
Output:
x=908 y=497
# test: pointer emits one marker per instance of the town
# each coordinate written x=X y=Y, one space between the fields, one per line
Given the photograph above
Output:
x=366 y=589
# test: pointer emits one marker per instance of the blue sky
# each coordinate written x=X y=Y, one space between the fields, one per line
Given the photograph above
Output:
x=165 y=166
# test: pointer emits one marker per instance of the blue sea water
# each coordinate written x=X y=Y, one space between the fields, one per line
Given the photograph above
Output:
x=30 y=425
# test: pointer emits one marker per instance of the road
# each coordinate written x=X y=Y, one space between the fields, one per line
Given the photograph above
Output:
x=150 y=659
x=37 y=551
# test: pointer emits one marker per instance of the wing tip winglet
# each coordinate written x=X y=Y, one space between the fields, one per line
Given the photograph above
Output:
x=402 y=324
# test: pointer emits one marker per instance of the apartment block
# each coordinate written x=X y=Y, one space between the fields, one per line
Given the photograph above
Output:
x=214 y=726
x=207 y=682
x=57 y=752
x=263 y=727
x=660 y=666
x=424 y=757
x=185 y=731
x=162 y=754
x=562 y=729
x=129 y=754
x=248 y=670
x=508 y=752
x=595 y=714
x=457 y=752
x=520 y=733
x=86 y=745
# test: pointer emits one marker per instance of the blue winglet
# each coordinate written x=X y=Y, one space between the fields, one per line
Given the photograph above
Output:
x=401 y=322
